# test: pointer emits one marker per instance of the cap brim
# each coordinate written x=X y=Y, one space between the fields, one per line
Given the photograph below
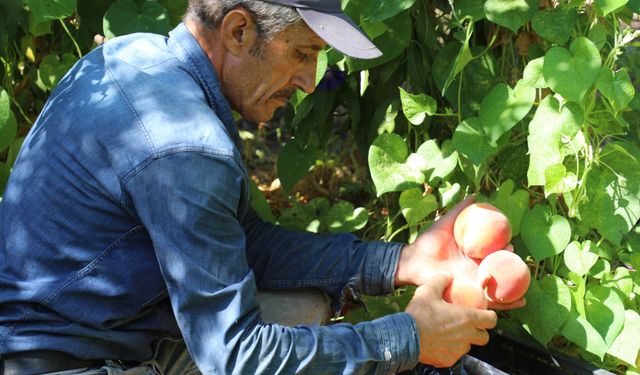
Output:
x=341 y=33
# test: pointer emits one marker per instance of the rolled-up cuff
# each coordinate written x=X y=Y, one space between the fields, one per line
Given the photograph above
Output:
x=380 y=266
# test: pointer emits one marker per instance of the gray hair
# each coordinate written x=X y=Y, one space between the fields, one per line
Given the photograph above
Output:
x=270 y=18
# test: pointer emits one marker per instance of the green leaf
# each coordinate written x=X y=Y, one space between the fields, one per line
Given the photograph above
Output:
x=627 y=346
x=342 y=217
x=613 y=192
x=605 y=312
x=463 y=58
x=551 y=124
x=616 y=87
x=598 y=35
x=126 y=17
x=621 y=280
x=608 y=6
x=391 y=170
x=510 y=13
x=555 y=24
x=391 y=43
x=45 y=10
x=449 y=193
x=52 y=69
x=572 y=72
x=634 y=5
x=532 y=75
x=579 y=258
x=503 y=107
x=471 y=141
x=416 y=206
x=579 y=331
x=417 y=107
x=557 y=180
x=176 y=9
x=308 y=217
x=259 y=203
x=600 y=269
x=544 y=234
x=470 y=8
x=8 y=124
x=438 y=162
x=294 y=162
x=381 y=10
x=321 y=66
x=513 y=204
x=547 y=309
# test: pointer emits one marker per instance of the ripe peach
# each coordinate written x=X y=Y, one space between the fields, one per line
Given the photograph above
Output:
x=464 y=292
x=505 y=276
x=481 y=229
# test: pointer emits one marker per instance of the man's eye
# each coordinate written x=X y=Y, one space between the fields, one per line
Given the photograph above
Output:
x=302 y=56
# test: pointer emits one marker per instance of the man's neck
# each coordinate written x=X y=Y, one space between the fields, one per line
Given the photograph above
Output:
x=210 y=44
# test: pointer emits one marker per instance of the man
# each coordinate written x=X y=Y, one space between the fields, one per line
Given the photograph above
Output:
x=126 y=226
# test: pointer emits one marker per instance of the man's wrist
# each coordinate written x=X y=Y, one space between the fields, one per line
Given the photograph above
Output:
x=405 y=272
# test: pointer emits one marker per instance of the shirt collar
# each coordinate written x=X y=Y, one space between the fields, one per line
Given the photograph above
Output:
x=189 y=51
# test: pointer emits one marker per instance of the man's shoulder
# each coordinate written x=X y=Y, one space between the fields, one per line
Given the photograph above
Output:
x=167 y=100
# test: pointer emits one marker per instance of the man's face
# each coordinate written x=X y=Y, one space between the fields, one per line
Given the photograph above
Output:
x=263 y=82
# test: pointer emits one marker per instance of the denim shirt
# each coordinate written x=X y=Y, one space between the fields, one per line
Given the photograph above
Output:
x=127 y=219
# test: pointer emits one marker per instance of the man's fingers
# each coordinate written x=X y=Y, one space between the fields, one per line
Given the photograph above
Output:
x=486 y=319
x=480 y=338
x=507 y=306
x=437 y=283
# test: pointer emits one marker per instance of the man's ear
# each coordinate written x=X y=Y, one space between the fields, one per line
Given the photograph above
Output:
x=238 y=31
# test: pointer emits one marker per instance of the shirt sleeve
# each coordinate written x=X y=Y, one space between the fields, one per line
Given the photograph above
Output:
x=189 y=203
x=286 y=259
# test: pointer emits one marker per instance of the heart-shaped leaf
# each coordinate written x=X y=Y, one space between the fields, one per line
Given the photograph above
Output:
x=439 y=163
x=342 y=217
x=627 y=346
x=608 y=6
x=514 y=204
x=417 y=107
x=416 y=206
x=544 y=234
x=555 y=24
x=51 y=9
x=612 y=190
x=503 y=107
x=550 y=125
x=605 y=312
x=579 y=258
x=471 y=141
x=391 y=169
x=578 y=330
x=547 y=309
x=557 y=180
x=616 y=87
x=532 y=75
x=294 y=162
x=510 y=13
x=8 y=124
x=126 y=17
x=52 y=69
x=572 y=72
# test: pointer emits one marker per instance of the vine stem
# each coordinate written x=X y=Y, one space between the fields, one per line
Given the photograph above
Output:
x=73 y=40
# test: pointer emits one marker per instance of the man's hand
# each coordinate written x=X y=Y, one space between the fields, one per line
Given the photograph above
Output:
x=446 y=331
x=436 y=251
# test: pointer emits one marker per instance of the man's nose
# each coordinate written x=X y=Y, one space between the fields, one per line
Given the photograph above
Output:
x=305 y=79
